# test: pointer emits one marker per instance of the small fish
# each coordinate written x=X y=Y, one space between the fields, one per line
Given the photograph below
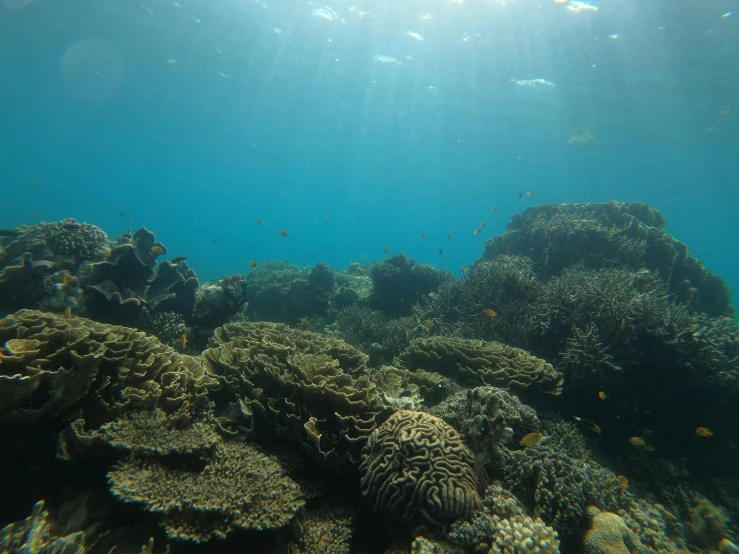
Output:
x=623 y=481
x=32 y=214
x=68 y=312
x=482 y=224
x=325 y=219
x=282 y=232
x=297 y=216
x=353 y=222
x=703 y=432
x=112 y=206
x=446 y=259
x=183 y=341
x=602 y=395
x=252 y=264
x=623 y=324
x=637 y=441
x=477 y=231
x=423 y=235
x=429 y=324
x=304 y=321
x=449 y=236
x=214 y=241
x=260 y=222
x=121 y=213
x=692 y=290
x=593 y=426
x=495 y=209
x=441 y=251
x=386 y=250
x=529 y=194
x=555 y=228
x=520 y=193
x=532 y=439
x=158 y=250
x=230 y=241
x=158 y=214
x=36 y=184
x=490 y=313
x=128 y=217
x=464 y=269
x=68 y=279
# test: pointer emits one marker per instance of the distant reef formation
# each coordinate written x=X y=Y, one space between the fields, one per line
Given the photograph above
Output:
x=572 y=392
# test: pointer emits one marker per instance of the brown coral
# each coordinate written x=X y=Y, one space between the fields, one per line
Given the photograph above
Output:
x=608 y=534
x=239 y=488
x=301 y=385
x=476 y=362
x=416 y=469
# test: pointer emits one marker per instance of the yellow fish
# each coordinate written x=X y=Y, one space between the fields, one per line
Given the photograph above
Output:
x=623 y=480
x=490 y=313
x=304 y=321
x=429 y=324
x=703 y=432
x=602 y=395
x=637 y=441
x=183 y=341
x=464 y=269
x=532 y=439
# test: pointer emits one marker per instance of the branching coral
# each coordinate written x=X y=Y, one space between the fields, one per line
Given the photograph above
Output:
x=416 y=469
x=477 y=362
x=239 y=488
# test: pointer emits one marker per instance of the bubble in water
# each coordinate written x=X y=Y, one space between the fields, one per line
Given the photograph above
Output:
x=17 y=4
x=92 y=70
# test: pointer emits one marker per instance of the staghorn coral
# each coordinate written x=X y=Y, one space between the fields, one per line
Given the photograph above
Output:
x=135 y=371
x=609 y=534
x=477 y=362
x=398 y=283
x=239 y=488
x=34 y=536
x=416 y=469
x=627 y=235
x=304 y=386
x=502 y=527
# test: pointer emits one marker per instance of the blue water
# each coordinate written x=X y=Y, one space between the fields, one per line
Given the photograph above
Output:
x=216 y=117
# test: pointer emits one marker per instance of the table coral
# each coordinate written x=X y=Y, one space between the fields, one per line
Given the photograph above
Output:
x=416 y=469
x=476 y=362
x=239 y=488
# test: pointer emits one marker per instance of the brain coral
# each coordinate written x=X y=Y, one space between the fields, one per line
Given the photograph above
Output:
x=301 y=385
x=608 y=534
x=239 y=488
x=477 y=362
x=415 y=468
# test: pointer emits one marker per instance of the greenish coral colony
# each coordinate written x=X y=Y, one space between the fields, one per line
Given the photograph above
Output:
x=382 y=408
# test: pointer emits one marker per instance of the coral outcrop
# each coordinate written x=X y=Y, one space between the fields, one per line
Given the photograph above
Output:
x=416 y=469
x=215 y=303
x=476 y=362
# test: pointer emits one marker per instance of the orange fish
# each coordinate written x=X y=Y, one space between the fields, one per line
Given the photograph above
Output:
x=386 y=249
x=353 y=222
x=532 y=439
x=68 y=279
x=623 y=481
x=68 y=312
x=325 y=219
x=495 y=209
x=637 y=441
x=529 y=194
x=297 y=216
x=158 y=250
x=423 y=235
x=260 y=222
x=36 y=184
x=183 y=341
x=304 y=321
x=252 y=264
x=158 y=214
x=464 y=269
x=128 y=217
x=593 y=426
x=703 y=432
x=112 y=206
x=477 y=231
x=482 y=224
x=446 y=259
x=602 y=395
x=623 y=323
x=429 y=324
x=282 y=232
x=449 y=236
x=490 y=313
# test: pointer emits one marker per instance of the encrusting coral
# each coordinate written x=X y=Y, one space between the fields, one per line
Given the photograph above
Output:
x=476 y=362
x=416 y=469
x=304 y=386
x=239 y=488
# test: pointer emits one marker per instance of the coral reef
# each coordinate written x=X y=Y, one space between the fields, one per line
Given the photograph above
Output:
x=416 y=469
x=502 y=527
x=215 y=303
x=624 y=235
x=476 y=362
x=325 y=527
x=34 y=535
x=303 y=386
x=239 y=488
x=399 y=283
